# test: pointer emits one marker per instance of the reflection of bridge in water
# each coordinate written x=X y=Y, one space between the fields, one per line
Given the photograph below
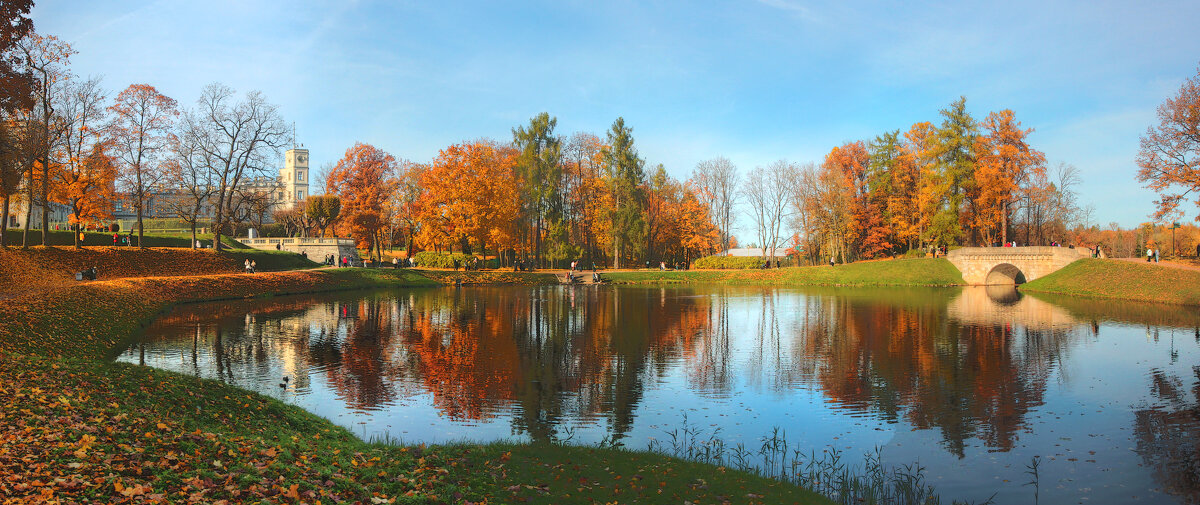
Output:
x=1001 y=304
x=1011 y=265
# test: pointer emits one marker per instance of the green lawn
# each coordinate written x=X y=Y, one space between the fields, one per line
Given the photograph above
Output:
x=1122 y=280
x=899 y=272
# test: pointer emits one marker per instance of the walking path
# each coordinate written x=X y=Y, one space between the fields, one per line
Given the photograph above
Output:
x=1185 y=265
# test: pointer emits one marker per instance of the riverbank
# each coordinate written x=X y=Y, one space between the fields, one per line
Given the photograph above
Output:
x=77 y=427
x=1122 y=280
x=898 y=272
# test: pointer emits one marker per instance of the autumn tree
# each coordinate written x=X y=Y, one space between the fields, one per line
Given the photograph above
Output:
x=45 y=59
x=921 y=149
x=1169 y=158
x=625 y=176
x=84 y=169
x=16 y=83
x=241 y=140
x=586 y=192
x=322 y=211
x=141 y=129
x=364 y=180
x=470 y=193
x=659 y=195
x=541 y=169
x=717 y=183
x=1005 y=164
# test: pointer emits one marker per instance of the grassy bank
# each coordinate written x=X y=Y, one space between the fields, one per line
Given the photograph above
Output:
x=104 y=238
x=1122 y=280
x=900 y=272
x=76 y=427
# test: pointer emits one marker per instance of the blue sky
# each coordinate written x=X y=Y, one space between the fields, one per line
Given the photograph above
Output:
x=754 y=81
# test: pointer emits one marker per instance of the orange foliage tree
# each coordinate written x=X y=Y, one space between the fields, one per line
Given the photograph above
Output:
x=140 y=132
x=83 y=170
x=1169 y=158
x=470 y=198
x=364 y=179
x=1005 y=163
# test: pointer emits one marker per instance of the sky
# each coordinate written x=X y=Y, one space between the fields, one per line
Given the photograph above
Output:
x=754 y=81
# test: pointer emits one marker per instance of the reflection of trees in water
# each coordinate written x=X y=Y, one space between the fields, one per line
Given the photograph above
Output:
x=968 y=380
x=1168 y=434
x=554 y=354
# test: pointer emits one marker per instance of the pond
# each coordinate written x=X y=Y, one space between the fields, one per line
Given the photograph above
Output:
x=972 y=383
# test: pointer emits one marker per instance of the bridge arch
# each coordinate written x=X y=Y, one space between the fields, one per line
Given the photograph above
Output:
x=1004 y=274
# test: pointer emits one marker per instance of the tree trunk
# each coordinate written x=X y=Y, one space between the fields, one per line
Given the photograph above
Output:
x=28 y=212
x=1004 y=225
x=141 y=241
x=45 y=200
x=219 y=218
x=4 y=222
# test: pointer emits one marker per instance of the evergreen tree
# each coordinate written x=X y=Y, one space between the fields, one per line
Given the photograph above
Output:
x=956 y=139
x=625 y=177
x=541 y=154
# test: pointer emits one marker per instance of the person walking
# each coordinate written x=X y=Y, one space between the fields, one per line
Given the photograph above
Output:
x=253 y=266
x=247 y=265
x=1149 y=254
x=1156 y=255
x=395 y=263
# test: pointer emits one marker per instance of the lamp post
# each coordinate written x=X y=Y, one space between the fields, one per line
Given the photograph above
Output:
x=1174 y=225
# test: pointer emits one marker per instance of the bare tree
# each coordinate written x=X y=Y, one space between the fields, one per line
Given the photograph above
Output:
x=717 y=180
x=189 y=174
x=767 y=192
x=242 y=140
x=802 y=190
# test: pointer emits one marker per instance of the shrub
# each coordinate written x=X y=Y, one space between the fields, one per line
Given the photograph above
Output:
x=915 y=253
x=116 y=227
x=728 y=262
x=430 y=259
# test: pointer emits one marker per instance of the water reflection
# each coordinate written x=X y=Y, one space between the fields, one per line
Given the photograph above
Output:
x=970 y=372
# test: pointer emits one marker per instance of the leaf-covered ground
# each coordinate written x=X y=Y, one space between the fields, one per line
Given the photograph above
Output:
x=76 y=428
x=24 y=271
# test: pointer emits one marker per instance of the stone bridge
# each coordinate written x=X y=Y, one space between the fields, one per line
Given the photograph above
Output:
x=1011 y=265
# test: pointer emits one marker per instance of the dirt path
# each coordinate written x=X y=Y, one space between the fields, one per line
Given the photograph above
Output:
x=1167 y=264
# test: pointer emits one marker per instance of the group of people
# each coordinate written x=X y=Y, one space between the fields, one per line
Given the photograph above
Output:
x=251 y=266
x=117 y=239
x=1151 y=255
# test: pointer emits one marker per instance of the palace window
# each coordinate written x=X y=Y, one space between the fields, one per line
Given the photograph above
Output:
x=299 y=176
x=299 y=195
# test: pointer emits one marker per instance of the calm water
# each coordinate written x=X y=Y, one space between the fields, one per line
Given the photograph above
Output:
x=971 y=383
